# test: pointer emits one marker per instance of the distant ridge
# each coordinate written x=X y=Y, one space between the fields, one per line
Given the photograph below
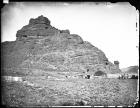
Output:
x=130 y=69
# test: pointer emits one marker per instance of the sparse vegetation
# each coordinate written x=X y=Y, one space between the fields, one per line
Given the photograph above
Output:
x=50 y=92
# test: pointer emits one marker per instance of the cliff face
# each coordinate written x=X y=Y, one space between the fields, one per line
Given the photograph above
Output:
x=41 y=46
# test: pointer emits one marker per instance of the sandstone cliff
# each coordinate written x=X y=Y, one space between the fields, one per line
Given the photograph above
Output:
x=41 y=46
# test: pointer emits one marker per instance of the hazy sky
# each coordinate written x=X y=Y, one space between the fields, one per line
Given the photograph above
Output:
x=110 y=27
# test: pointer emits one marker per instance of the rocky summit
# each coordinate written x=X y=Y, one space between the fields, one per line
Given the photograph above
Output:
x=46 y=66
x=41 y=46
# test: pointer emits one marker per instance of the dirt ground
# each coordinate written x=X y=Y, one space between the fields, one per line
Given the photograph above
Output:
x=95 y=92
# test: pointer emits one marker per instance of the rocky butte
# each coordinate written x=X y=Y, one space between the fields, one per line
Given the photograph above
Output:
x=53 y=67
x=41 y=46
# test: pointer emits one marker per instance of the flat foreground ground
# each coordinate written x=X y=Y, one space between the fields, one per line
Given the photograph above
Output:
x=95 y=92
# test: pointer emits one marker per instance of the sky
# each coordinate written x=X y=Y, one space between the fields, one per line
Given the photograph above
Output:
x=110 y=27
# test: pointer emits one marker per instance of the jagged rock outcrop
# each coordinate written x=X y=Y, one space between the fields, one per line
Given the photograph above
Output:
x=41 y=46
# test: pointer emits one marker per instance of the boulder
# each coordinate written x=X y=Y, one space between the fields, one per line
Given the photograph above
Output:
x=65 y=31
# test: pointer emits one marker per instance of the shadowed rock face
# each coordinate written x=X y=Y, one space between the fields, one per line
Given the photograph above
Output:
x=39 y=20
x=41 y=46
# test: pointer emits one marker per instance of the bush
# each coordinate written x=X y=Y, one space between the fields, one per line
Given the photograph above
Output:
x=67 y=104
x=81 y=103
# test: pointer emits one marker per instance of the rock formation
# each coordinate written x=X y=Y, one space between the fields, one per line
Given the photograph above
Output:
x=41 y=46
x=49 y=67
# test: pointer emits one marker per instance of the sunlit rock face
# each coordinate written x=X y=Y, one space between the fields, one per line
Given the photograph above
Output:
x=42 y=46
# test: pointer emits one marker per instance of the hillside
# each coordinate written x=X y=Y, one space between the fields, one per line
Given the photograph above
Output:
x=130 y=69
